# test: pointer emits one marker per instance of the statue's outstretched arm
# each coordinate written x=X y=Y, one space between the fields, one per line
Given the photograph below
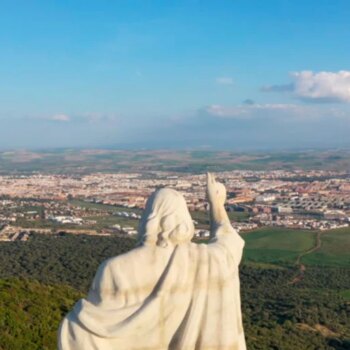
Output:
x=221 y=231
x=216 y=195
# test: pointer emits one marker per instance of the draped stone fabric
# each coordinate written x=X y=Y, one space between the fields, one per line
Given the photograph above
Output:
x=168 y=293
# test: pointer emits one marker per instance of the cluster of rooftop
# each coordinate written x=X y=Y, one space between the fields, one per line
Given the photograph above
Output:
x=298 y=199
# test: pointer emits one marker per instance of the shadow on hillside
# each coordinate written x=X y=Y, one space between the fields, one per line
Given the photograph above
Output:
x=338 y=344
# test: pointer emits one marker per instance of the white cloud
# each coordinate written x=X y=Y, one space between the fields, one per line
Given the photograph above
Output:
x=60 y=118
x=224 y=80
x=327 y=86
x=317 y=87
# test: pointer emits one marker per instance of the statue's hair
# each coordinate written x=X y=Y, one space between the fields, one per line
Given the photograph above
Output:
x=166 y=219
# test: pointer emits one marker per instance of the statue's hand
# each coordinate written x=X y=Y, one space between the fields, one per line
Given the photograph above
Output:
x=216 y=191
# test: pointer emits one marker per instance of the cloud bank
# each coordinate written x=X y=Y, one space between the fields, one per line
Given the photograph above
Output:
x=249 y=125
x=245 y=126
x=317 y=87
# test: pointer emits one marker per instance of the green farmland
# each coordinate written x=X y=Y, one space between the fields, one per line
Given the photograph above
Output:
x=334 y=250
x=277 y=245
x=283 y=246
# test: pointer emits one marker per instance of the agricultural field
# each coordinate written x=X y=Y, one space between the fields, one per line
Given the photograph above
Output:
x=277 y=245
x=75 y=161
x=334 y=250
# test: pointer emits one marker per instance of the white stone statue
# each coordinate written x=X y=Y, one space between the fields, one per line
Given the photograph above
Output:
x=168 y=293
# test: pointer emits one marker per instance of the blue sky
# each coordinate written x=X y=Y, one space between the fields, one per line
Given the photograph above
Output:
x=219 y=74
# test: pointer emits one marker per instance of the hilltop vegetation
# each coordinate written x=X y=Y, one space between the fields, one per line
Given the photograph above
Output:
x=67 y=259
x=281 y=315
x=30 y=313
x=276 y=316
x=56 y=271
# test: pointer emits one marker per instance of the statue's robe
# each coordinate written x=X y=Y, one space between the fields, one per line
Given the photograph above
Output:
x=181 y=297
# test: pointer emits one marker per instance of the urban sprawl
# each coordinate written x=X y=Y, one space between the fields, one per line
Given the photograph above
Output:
x=106 y=204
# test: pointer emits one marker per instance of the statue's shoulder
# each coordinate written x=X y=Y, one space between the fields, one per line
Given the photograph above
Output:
x=122 y=258
x=123 y=262
x=115 y=267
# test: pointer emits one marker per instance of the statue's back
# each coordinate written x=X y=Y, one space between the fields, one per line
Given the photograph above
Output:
x=160 y=298
x=169 y=293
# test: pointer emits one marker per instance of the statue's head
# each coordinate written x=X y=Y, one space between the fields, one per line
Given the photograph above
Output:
x=166 y=219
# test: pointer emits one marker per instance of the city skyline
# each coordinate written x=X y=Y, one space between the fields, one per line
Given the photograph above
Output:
x=191 y=74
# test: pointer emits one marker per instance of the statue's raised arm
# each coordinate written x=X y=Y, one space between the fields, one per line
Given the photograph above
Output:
x=216 y=195
x=221 y=231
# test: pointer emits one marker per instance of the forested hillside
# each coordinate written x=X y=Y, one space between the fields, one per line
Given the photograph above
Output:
x=279 y=313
